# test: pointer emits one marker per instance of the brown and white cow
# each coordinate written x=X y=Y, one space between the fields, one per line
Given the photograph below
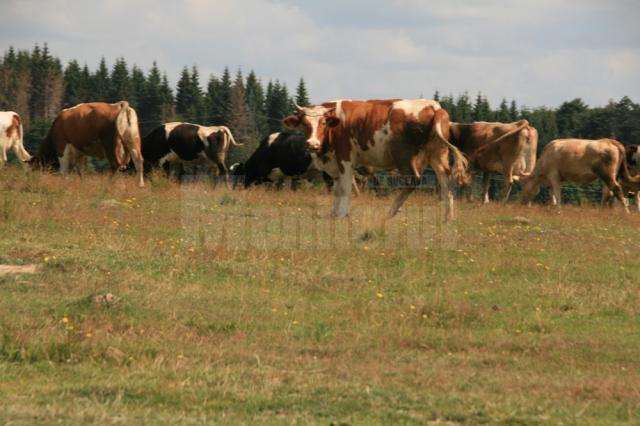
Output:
x=94 y=129
x=393 y=134
x=11 y=135
x=506 y=155
x=629 y=188
x=579 y=161
x=505 y=148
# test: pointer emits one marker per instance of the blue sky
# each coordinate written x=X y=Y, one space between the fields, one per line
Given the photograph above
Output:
x=539 y=52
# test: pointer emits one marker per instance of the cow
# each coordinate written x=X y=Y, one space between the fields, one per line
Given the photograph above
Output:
x=579 y=161
x=285 y=156
x=11 y=135
x=505 y=148
x=393 y=134
x=631 y=189
x=94 y=129
x=278 y=156
x=182 y=143
x=506 y=155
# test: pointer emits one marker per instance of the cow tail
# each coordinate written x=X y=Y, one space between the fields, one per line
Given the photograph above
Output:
x=231 y=139
x=459 y=171
x=128 y=131
x=624 y=167
x=524 y=124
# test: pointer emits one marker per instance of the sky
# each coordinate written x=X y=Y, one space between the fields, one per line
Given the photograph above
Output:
x=538 y=52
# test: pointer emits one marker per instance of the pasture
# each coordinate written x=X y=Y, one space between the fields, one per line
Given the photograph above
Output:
x=194 y=304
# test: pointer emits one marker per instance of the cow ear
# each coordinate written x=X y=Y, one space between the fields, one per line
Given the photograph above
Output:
x=332 y=121
x=292 y=121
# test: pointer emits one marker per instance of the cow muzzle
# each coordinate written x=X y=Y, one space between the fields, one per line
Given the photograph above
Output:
x=314 y=145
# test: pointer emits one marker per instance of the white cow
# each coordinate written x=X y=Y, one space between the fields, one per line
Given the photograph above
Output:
x=11 y=137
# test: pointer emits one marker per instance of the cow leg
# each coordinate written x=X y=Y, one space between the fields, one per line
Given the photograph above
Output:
x=400 y=199
x=508 y=181
x=556 y=189
x=3 y=156
x=67 y=159
x=469 y=188
x=80 y=164
x=180 y=172
x=607 y=196
x=342 y=191
x=138 y=163
x=486 y=182
x=618 y=193
x=22 y=154
x=166 y=166
x=295 y=183
x=223 y=172
x=356 y=189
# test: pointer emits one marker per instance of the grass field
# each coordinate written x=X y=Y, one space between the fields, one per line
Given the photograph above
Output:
x=254 y=307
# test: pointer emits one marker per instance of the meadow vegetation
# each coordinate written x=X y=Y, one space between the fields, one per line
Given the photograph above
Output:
x=242 y=307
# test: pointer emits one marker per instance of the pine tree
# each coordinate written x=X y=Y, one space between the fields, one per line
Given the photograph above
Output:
x=120 y=87
x=198 y=113
x=167 y=100
x=302 y=97
x=513 y=111
x=436 y=96
x=225 y=96
x=138 y=82
x=47 y=84
x=156 y=106
x=481 y=109
x=254 y=94
x=15 y=83
x=100 y=83
x=212 y=102
x=463 y=109
x=503 y=115
x=75 y=86
x=240 y=124
x=278 y=105
x=183 y=93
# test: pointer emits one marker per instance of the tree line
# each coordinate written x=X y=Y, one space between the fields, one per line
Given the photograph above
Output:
x=35 y=84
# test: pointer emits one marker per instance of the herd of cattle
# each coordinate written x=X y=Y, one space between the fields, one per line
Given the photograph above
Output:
x=342 y=139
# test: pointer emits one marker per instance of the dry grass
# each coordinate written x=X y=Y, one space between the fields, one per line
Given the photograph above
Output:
x=254 y=306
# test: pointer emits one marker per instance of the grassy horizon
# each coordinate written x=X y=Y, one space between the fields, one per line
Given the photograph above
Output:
x=239 y=307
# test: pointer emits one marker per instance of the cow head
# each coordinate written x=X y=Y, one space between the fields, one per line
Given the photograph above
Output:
x=317 y=120
x=530 y=187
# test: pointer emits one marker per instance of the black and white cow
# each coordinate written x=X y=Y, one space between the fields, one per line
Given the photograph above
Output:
x=187 y=143
x=279 y=156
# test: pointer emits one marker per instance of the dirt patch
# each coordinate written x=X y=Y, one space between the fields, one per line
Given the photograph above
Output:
x=18 y=269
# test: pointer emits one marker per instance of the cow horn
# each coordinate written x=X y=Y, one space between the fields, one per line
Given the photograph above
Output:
x=298 y=106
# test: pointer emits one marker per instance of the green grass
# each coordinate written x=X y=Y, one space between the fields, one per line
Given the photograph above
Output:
x=255 y=307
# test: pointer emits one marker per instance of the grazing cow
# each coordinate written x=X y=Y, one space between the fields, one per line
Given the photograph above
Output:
x=11 y=137
x=629 y=189
x=395 y=134
x=279 y=156
x=505 y=148
x=93 y=129
x=579 y=161
x=187 y=143
x=505 y=155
